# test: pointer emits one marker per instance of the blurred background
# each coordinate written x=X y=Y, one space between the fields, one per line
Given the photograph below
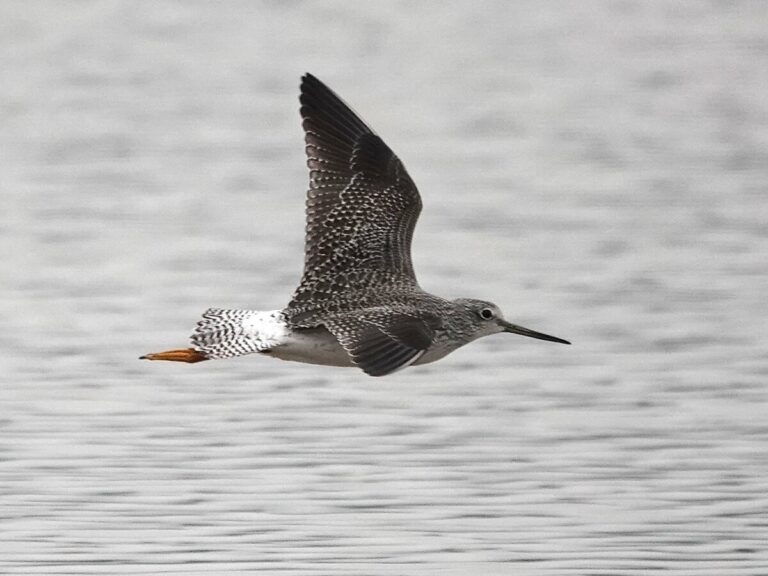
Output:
x=598 y=169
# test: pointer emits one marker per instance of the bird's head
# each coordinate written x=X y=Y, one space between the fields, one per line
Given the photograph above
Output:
x=488 y=319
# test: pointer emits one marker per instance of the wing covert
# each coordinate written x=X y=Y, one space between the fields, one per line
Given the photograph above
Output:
x=382 y=341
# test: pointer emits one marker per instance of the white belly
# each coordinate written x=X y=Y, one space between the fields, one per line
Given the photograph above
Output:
x=273 y=337
x=312 y=346
x=318 y=346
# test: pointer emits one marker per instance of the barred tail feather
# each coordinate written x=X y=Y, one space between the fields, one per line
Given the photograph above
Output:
x=227 y=333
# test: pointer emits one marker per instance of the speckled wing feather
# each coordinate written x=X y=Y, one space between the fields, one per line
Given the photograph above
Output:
x=380 y=340
x=362 y=207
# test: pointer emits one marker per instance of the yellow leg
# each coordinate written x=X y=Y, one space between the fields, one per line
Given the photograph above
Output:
x=189 y=355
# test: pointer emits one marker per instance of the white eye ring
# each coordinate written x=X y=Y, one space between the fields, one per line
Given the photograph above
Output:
x=486 y=314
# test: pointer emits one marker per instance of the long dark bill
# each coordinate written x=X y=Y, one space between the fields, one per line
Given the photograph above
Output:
x=515 y=329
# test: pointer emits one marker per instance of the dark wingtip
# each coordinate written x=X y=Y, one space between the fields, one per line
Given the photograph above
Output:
x=307 y=80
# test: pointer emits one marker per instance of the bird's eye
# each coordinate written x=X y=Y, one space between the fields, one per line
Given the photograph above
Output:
x=486 y=314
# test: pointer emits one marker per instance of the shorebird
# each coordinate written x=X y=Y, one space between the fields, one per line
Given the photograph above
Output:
x=358 y=303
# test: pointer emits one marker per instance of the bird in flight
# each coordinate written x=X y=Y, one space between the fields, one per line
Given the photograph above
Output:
x=358 y=303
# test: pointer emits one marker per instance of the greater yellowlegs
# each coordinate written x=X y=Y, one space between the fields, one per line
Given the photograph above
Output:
x=358 y=303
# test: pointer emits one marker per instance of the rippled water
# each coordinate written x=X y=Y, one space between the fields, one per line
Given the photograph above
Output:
x=599 y=169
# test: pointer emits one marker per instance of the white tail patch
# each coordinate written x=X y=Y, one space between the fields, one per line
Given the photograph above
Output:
x=226 y=333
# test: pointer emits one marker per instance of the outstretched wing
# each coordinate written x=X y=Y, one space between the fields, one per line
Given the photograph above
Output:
x=361 y=207
x=382 y=341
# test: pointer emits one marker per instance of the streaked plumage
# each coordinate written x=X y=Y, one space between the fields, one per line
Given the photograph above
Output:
x=358 y=302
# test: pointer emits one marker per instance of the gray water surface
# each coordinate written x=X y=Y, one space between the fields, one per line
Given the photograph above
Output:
x=598 y=169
